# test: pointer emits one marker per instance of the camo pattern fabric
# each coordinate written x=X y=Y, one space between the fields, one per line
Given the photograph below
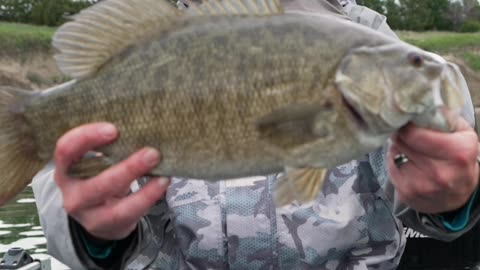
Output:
x=234 y=224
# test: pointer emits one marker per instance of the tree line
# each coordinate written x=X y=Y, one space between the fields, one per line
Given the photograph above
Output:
x=416 y=15
x=423 y=15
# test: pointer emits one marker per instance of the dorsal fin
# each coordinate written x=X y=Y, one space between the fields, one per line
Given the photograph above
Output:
x=99 y=32
x=237 y=7
x=105 y=29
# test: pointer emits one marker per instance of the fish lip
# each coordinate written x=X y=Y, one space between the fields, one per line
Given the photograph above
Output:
x=357 y=117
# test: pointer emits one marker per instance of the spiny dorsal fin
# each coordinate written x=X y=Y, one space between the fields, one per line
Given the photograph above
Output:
x=107 y=28
x=237 y=7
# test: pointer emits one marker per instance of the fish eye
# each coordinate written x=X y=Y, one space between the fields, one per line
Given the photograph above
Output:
x=415 y=59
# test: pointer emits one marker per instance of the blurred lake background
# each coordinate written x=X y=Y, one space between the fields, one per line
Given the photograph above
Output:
x=19 y=225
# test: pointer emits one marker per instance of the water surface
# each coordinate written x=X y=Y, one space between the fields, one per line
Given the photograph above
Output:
x=20 y=226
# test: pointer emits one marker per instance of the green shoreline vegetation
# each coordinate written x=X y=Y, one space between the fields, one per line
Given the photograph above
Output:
x=465 y=46
x=441 y=42
x=17 y=38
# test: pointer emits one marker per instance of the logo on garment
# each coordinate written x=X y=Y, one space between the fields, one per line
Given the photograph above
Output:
x=410 y=233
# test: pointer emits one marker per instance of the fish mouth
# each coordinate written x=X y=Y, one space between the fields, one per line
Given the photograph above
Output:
x=357 y=117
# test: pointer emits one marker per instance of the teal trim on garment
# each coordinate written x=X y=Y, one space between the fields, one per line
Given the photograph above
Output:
x=96 y=252
x=460 y=220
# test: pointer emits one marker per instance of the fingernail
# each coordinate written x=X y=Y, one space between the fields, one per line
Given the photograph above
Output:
x=163 y=181
x=151 y=157
x=108 y=131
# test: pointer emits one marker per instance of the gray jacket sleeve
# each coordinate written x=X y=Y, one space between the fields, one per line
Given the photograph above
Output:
x=54 y=219
x=428 y=224
x=62 y=232
x=369 y=18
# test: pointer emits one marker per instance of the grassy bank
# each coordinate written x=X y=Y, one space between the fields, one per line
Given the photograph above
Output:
x=465 y=46
x=17 y=39
x=442 y=42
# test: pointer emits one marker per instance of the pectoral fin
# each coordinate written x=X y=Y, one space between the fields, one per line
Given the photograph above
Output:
x=294 y=126
x=299 y=184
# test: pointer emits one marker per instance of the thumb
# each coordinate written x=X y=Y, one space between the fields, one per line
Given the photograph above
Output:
x=462 y=125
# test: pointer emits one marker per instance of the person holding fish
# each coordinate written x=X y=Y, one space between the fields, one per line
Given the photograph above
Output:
x=392 y=123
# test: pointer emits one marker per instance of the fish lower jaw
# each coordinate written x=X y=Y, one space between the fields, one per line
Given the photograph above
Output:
x=384 y=128
x=371 y=142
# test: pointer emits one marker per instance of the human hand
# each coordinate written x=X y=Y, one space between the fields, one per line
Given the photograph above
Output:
x=100 y=204
x=442 y=171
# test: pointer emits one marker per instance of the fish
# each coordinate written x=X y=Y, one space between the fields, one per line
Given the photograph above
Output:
x=226 y=89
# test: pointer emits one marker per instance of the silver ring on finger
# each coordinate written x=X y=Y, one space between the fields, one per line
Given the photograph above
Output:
x=400 y=159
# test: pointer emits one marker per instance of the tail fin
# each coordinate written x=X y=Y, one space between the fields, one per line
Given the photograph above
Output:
x=18 y=153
